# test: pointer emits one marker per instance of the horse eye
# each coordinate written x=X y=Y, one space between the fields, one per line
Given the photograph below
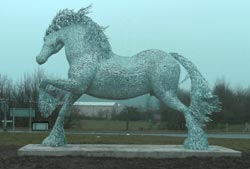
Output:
x=53 y=45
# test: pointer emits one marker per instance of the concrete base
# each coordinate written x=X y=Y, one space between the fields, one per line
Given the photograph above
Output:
x=124 y=151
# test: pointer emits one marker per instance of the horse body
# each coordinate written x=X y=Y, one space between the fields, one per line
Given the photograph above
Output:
x=129 y=77
x=95 y=70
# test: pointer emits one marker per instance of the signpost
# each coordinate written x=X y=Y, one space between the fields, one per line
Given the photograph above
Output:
x=4 y=108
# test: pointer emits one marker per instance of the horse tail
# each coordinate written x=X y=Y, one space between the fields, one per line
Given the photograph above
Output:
x=203 y=102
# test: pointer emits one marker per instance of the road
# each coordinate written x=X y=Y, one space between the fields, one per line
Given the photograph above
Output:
x=131 y=133
x=210 y=135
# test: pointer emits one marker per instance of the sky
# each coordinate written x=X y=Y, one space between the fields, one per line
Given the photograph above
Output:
x=213 y=34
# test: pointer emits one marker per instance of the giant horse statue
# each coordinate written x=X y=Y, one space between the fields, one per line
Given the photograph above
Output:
x=94 y=69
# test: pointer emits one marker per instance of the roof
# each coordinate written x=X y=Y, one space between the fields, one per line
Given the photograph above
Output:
x=95 y=103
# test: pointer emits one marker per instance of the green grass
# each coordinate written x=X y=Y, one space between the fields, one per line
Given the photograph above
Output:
x=229 y=128
x=237 y=144
x=109 y=125
x=20 y=139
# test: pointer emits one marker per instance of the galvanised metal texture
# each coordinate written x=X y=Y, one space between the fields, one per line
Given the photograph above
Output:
x=95 y=70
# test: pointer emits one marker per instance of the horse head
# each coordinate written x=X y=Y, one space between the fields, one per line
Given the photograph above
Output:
x=69 y=27
x=52 y=44
x=53 y=39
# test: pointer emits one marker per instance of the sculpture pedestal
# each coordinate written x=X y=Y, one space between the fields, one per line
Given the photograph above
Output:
x=124 y=151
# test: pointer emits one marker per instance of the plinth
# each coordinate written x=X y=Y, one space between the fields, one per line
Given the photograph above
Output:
x=125 y=151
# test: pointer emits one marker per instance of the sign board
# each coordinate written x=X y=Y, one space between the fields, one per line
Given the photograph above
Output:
x=40 y=126
x=22 y=112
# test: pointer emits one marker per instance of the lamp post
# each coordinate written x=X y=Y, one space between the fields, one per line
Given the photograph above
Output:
x=4 y=109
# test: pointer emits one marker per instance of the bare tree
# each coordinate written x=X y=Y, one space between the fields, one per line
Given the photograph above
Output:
x=25 y=91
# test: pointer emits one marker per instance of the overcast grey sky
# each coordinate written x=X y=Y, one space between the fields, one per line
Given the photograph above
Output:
x=214 y=34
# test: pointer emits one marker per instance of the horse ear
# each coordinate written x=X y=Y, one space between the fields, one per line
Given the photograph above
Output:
x=84 y=11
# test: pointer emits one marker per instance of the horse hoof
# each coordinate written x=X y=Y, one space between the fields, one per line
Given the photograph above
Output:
x=196 y=144
x=54 y=141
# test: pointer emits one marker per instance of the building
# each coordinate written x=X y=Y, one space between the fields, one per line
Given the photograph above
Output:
x=97 y=109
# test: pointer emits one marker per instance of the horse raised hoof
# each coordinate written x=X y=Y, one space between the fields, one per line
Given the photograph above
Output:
x=46 y=104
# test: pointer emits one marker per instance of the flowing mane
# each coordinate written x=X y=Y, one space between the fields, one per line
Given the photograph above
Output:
x=95 y=35
x=67 y=17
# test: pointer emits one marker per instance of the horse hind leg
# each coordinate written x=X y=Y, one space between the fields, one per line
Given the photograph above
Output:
x=196 y=139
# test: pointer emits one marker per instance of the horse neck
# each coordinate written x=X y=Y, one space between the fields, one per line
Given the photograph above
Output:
x=75 y=48
x=78 y=52
x=78 y=44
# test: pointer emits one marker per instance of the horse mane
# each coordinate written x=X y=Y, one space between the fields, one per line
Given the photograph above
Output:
x=95 y=36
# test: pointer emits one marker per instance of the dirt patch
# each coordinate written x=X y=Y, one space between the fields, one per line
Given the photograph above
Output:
x=10 y=160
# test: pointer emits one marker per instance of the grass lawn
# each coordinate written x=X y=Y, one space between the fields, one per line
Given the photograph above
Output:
x=20 y=139
x=109 y=125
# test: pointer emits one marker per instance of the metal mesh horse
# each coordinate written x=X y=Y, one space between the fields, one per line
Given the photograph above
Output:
x=95 y=70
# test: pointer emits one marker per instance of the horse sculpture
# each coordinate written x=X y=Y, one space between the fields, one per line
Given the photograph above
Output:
x=95 y=70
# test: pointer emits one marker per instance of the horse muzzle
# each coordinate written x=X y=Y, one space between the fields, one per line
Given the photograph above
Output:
x=41 y=60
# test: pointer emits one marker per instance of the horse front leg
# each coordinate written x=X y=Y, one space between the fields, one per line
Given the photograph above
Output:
x=57 y=135
x=73 y=90
x=69 y=85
